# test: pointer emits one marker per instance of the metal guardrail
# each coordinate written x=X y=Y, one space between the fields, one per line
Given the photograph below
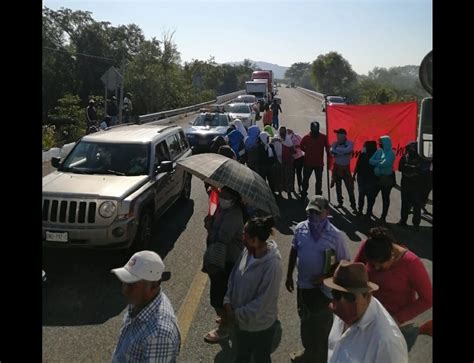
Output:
x=312 y=93
x=164 y=117
x=170 y=113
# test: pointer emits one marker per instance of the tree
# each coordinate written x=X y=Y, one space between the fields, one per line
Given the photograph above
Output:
x=332 y=74
x=371 y=92
x=299 y=73
x=405 y=79
x=68 y=119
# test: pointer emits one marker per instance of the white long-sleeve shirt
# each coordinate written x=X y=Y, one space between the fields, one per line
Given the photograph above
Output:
x=375 y=338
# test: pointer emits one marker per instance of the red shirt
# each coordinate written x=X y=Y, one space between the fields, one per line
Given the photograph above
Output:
x=399 y=285
x=314 y=149
x=267 y=117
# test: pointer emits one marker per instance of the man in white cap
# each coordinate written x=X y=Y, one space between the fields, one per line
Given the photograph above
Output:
x=362 y=330
x=150 y=330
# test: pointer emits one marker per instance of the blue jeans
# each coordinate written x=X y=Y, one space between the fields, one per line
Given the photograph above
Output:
x=275 y=122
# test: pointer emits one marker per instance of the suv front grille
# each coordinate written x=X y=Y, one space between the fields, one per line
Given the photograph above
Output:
x=67 y=211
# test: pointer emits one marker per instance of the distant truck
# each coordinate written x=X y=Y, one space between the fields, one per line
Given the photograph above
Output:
x=265 y=74
x=258 y=88
x=292 y=84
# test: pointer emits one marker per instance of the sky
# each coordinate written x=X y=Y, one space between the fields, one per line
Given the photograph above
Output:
x=368 y=33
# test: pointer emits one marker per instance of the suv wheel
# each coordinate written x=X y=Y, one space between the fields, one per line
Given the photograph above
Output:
x=186 y=192
x=143 y=237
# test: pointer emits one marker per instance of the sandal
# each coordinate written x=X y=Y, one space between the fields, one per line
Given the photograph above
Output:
x=216 y=335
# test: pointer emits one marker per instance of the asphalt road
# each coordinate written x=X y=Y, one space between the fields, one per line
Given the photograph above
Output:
x=83 y=308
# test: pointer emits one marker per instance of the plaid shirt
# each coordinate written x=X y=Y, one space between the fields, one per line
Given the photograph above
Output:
x=151 y=336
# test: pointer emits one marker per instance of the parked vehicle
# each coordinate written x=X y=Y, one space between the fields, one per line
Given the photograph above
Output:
x=111 y=186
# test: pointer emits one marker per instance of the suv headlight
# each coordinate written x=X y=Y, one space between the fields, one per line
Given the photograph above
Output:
x=107 y=209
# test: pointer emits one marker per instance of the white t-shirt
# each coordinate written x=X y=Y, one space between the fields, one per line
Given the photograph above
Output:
x=374 y=338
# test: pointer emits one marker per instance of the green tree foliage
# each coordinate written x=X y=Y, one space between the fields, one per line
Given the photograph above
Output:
x=77 y=50
x=68 y=119
x=332 y=74
x=300 y=73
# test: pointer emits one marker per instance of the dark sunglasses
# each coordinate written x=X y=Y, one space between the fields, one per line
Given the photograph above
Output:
x=348 y=296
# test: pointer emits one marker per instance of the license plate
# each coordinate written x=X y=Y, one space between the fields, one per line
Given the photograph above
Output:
x=203 y=142
x=57 y=236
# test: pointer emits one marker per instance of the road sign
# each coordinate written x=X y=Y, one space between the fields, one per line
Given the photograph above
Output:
x=111 y=79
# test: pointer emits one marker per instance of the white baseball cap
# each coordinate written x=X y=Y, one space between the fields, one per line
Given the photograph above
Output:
x=143 y=265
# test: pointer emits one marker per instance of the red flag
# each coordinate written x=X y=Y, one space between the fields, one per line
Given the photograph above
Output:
x=213 y=201
x=369 y=122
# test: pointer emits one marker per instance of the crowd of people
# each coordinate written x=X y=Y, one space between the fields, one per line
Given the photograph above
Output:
x=280 y=156
x=351 y=308
x=111 y=117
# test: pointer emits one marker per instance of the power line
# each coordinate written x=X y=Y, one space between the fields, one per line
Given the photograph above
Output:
x=81 y=54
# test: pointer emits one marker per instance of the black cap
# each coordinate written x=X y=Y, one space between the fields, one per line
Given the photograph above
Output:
x=340 y=131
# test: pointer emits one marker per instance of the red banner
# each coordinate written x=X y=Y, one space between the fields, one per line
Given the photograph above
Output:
x=369 y=122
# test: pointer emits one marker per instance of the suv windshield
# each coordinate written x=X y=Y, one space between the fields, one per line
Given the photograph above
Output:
x=336 y=100
x=212 y=120
x=105 y=158
x=238 y=109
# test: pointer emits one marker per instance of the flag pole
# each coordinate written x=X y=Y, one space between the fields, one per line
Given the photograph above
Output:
x=327 y=154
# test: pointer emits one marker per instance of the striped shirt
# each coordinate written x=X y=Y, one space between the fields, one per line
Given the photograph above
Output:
x=151 y=336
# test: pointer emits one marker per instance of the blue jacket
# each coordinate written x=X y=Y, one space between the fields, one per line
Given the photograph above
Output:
x=252 y=138
x=235 y=140
x=383 y=158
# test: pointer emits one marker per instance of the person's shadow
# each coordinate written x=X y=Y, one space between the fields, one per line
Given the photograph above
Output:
x=345 y=221
x=292 y=212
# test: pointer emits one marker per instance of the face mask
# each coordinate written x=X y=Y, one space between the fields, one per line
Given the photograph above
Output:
x=315 y=219
x=226 y=203
x=346 y=311
x=316 y=225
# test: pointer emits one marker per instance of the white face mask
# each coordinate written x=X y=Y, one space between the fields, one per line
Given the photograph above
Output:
x=226 y=203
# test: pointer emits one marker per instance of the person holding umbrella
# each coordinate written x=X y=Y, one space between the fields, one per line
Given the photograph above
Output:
x=221 y=171
x=224 y=245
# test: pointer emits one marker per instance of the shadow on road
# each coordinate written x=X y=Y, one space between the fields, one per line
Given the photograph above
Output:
x=292 y=212
x=169 y=227
x=345 y=221
x=419 y=242
x=81 y=290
